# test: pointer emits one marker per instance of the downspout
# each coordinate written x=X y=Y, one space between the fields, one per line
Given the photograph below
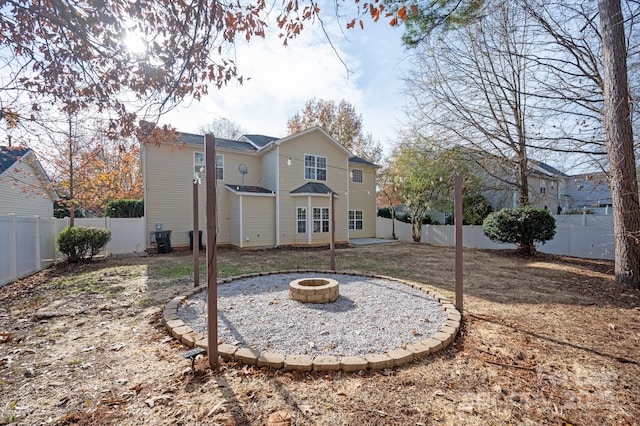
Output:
x=277 y=195
x=241 y=222
x=309 y=222
x=143 y=158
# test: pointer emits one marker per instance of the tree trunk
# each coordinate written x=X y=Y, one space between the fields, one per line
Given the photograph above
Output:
x=619 y=141
x=416 y=229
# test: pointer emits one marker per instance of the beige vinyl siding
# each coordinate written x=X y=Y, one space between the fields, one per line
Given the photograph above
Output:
x=269 y=162
x=22 y=193
x=169 y=191
x=234 y=220
x=362 y=197
x=259 y=220
x=292 y=177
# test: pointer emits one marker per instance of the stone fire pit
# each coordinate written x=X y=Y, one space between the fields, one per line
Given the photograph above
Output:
x=314 y=290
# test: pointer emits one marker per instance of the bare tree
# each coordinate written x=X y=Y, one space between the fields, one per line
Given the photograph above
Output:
x=223 y=128
x=470 y=87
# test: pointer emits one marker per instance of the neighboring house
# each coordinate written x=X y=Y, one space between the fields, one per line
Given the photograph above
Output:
x=25 y=188
x=270 y=192
x=586 y=191
x=543 y=180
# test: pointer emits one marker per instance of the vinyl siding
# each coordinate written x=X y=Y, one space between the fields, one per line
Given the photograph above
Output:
x=259 y=221
x=362 y=197
x=168 y=193
x=22 y=193
x=234 y=221
x=269 y=161
x=292 y=177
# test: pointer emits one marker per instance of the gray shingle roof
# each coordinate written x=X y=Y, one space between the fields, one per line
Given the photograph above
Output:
x=9 y=155
x=259 y=141
x=312 y=188
x=552 y=170
x=198 y=140
x=359 y=160
x=250 y=189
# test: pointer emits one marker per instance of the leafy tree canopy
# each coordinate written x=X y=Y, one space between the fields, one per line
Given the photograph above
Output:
x=342 y=122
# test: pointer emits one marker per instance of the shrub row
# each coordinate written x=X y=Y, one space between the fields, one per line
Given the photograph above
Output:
x=77 y=242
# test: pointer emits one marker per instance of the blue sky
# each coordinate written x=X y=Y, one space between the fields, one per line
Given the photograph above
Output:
x=282 y=79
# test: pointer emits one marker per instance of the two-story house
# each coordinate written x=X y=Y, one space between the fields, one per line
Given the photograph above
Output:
x=271 y=192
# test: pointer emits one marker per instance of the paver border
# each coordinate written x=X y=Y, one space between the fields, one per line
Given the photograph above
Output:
x=391 y=359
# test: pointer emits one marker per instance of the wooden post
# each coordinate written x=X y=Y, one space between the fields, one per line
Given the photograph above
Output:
x=196 y=237
x=212 y=260
x=332 y=223
x=458 y=219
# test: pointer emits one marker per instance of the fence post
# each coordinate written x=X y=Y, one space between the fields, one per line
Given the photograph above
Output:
x=38 y=255
x=13 y=249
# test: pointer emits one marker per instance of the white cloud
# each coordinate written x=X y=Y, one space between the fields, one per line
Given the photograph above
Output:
x=282 y=79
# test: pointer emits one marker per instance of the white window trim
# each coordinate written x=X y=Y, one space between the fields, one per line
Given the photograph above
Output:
x=298 y=220
x=315 y=168
x=203 y=163
x=321 y=221
x=353 y=220
x=353 y=176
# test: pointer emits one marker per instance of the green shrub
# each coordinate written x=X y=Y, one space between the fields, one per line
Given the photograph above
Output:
x=385 y=212
x=524 y=226
x=124 y=208
x=78 y=242
x=475 y=209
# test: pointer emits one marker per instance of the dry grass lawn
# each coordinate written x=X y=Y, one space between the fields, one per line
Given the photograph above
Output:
x=545 y=341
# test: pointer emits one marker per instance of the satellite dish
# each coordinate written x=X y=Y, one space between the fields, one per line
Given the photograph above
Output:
x=242 y=168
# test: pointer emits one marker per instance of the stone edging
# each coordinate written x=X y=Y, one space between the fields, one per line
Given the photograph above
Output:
x=377 y=361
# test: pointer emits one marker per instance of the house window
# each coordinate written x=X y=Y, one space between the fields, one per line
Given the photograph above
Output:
x=355 y=219
x=199 y=165
x=543 y=186
x=320 y=219
x=356 y=175
x=219 y=167
x=302 y=220
x=315 y=167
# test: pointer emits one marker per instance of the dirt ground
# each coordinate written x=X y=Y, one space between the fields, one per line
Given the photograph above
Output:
x=545 y=341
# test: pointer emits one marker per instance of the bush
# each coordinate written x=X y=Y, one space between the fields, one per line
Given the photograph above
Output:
x=475 y=209
x=524 y=226
x=124 y=208
x=78 y=242
x=385 y=212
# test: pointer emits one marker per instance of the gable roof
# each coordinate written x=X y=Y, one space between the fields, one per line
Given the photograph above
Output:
x=198 y=140
x=547 y=169
x=9 y=155
x=307 y=131
x=313 y=188
x=359 y=160
x=259 y=141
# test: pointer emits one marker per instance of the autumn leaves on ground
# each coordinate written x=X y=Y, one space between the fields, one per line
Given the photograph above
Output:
x=546 y=340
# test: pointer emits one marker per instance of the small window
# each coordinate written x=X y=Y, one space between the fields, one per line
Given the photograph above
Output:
x=219 y=167
x=355 y=219
x=356 y=175
x=302 y=220
x=320 y=219
x=315 y=167
x=199 y=165
x=543 y=186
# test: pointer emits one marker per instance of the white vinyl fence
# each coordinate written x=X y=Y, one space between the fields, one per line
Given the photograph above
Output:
x=28 y=244
x=589 y=236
